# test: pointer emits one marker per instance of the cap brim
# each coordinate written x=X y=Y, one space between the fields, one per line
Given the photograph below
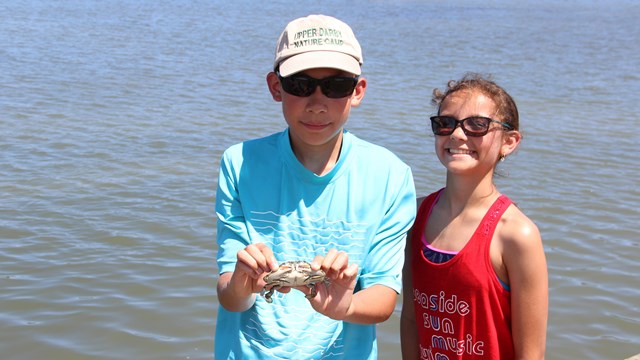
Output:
x=320 y=59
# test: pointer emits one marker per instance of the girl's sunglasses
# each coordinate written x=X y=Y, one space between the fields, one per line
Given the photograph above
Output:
x=472 y=126
x=334 y=87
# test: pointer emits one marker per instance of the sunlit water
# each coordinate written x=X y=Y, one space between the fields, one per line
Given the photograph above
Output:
x=114 y=114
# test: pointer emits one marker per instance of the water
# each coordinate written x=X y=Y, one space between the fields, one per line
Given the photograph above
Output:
x=113 y=116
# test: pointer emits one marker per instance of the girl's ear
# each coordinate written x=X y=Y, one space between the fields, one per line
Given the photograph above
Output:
x=358 y=93
x=510 y=142
x=273 y=83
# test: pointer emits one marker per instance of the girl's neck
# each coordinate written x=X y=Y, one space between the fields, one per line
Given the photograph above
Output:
x=462 y=193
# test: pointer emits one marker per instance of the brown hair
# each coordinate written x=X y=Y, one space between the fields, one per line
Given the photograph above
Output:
x=506 y=109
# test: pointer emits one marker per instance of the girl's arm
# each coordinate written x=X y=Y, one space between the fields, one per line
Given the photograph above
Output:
x=408 y=327
x=408 y=323
x=526 y=265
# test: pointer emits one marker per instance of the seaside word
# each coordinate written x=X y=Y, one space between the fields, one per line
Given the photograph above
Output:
x=441 y=304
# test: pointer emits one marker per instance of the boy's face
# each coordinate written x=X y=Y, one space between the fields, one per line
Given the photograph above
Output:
x=316 y=120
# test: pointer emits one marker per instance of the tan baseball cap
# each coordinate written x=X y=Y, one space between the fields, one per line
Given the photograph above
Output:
x=318 y=41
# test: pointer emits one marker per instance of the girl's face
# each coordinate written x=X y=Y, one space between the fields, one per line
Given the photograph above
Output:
x=462 y=154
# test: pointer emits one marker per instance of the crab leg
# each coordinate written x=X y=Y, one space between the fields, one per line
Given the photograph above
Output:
x=313 y=293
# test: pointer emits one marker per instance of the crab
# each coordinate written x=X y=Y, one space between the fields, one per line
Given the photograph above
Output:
x=292 y=273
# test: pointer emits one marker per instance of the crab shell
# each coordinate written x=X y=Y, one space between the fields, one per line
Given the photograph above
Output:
x=292 y=273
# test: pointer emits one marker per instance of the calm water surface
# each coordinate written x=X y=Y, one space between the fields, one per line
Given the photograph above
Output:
x=113 y=115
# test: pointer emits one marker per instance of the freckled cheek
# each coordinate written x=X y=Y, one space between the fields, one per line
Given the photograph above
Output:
x=492 y=144
x=439 y=143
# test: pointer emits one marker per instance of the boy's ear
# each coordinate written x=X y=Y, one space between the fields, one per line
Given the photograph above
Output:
x=358 y=93
x=273 y=83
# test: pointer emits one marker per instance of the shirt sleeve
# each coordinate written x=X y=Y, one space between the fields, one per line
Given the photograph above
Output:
x=383 y=265
x=232 y=234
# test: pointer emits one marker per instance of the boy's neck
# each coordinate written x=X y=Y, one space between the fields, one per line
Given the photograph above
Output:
x=319 y=159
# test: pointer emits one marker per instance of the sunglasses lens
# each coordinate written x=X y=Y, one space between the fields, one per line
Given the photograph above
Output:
x=442 y=125
x=338 y=87
x=477 y=126
x=333 y=87
x=472 y=126
x=298 y=85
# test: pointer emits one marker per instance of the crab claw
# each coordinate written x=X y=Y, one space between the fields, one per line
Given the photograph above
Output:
x=267 y=294
x=268 y=298
x=313 y=292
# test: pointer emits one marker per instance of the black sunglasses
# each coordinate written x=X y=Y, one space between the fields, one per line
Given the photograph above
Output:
x=334 y=87
x=471 y=126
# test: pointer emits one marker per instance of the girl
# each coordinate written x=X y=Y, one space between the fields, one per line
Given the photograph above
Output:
x=475 y=274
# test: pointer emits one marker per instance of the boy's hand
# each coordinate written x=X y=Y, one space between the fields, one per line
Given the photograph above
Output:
x=334 y=300
x=253 y=262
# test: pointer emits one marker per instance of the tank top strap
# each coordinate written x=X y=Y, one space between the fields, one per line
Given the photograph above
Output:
x=490 y=221
x=481 y=238
x=417 y=232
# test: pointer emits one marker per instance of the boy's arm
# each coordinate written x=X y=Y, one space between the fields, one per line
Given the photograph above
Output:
x=234 y=298
x=380 y=281
x=337 y=300
x=237 y=289
x=372 y=305
x=241 y=264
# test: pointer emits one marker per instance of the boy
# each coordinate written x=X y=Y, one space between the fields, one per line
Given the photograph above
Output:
x=313 y=193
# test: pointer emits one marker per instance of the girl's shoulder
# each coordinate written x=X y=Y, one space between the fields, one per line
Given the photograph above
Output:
x=521 y=251
x=431 y=197
x=517 y=231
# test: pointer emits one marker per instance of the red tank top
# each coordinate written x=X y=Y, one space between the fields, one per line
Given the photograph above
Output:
x=462 y=310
